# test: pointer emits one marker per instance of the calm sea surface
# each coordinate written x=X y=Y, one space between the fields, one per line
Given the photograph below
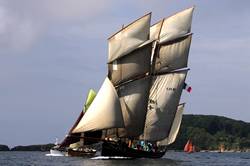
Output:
x=171 y=159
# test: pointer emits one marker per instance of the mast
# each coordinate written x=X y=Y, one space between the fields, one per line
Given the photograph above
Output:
x=173 y=38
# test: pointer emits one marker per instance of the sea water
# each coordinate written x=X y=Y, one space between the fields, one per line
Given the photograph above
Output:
x=170 y=159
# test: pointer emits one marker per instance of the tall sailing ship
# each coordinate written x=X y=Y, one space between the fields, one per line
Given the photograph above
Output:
x=137 y=108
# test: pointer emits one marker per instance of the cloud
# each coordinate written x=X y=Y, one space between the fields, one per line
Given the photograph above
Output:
x=23 y=22
x=15 y=32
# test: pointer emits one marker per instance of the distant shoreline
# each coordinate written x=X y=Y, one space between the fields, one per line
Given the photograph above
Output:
x=41 y=147
x=207 y=132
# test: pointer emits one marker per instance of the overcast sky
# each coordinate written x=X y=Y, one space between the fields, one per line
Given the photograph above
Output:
x=53 y=51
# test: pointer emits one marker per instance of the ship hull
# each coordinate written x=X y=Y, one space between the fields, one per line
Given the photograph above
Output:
x=121 y=149
x=80 y=153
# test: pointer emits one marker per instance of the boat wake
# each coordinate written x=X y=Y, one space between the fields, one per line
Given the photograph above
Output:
x=111 y=158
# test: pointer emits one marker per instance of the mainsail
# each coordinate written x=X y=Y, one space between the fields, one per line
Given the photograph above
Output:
x=164 y=98
x=134 y=99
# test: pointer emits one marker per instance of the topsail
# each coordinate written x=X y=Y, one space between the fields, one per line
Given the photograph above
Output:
x=129 y=38
x=131 y=65
x=173 y=55
x=176 y=26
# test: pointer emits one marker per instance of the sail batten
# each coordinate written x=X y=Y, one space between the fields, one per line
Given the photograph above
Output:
x=164 y=97
x=104 y=112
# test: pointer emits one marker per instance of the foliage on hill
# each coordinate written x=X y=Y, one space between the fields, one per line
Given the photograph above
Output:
x=4 y=148
x=45 y=147
x=208 y=132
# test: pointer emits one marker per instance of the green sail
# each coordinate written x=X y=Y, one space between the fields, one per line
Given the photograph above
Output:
x=90 y=98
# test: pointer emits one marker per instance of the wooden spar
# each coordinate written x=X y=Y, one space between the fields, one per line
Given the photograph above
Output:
x=101 y=139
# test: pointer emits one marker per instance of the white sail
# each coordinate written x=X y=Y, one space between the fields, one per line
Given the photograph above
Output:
x=175 y=127
x=134 y=99
x=131 y=65
x=173 y=55
x=176 y=26
x=164 y=97
x=129 y=38
x=104 y=112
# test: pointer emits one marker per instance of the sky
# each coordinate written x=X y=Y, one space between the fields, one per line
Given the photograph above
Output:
x=53 y=51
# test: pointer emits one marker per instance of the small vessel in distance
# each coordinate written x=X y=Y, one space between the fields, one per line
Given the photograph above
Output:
x=189 y=147
x=55 y=150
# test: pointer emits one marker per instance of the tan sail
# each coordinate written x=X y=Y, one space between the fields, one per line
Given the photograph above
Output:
x=173 y=55
x=175 y=127
x=176 y=26
x=134 y=98
x=155 y=30
x=131 y=65
x=129 y=38
x=104 y=112
x=164 y=98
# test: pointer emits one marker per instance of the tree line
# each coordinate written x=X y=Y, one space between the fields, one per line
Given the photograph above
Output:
x=209 y=132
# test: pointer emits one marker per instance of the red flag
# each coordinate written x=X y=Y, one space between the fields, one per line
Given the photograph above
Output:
x=187 y=87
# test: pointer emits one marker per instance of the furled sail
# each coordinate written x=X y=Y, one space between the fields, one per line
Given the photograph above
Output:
x=173 y=55
x=164 y=98
x=134 y=99
x=104 y=112
x=176 y=26
x=129 y=38
x=175 y=127
x=131 y=65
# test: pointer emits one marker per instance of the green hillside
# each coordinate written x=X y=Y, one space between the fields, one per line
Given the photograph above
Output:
x=43 y=147
x=208 y=132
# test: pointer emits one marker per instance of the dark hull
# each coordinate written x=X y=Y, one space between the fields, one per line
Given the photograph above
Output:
x=80 y=153
x=121 y=149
